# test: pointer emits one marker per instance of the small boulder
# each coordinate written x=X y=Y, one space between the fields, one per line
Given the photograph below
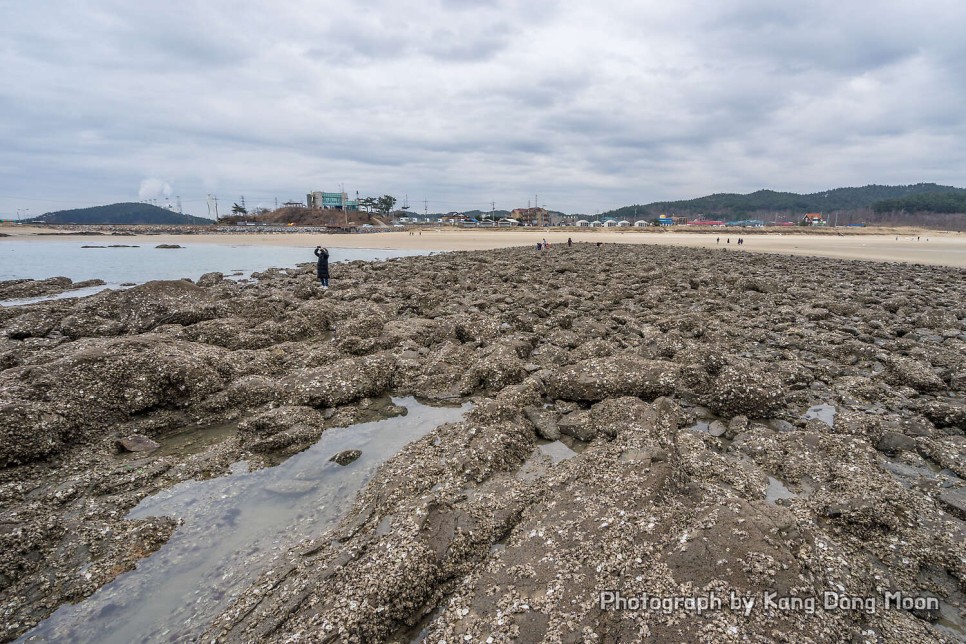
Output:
x=955 y=501
x=210 y=279
x=346 y=456
x=717 y=428
x=545 y=422
x=902 y=371
x=578 y=425
x=894 y=442
x=744 y=389
x=137 y=443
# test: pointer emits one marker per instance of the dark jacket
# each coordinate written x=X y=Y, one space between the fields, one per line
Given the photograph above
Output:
x=323 y=266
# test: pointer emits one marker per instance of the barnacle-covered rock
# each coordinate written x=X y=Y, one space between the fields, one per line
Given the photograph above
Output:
x=139 y=309
x=744 y=389
x=610 y=377
x=907 y=372
x=341 y=382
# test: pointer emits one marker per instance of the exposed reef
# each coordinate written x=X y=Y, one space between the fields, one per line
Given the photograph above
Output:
x=650 y=420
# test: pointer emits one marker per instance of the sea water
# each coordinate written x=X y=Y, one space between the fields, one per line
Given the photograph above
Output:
x=35 y=259
x=233 y=528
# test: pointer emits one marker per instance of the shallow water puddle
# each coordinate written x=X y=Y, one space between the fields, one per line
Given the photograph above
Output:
x=556 y=450
x=824 y=413
x=234 y=528
x=188 y=440
x=776 y=491
x=702 y=426
x=544 y=456
x=77 y=292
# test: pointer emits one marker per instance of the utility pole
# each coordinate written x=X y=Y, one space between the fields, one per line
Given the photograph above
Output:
x=426 y=208
x=276 y=203
x=243 y=202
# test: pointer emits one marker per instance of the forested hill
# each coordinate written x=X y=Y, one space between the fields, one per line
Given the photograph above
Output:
x=120 y=213
x=838 y=199
x=943 y=202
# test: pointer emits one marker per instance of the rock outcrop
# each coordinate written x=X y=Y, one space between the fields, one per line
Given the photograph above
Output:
x=674 y=422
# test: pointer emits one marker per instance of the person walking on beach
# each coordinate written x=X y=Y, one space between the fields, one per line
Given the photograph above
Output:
x=570 y=242
x=322 y=268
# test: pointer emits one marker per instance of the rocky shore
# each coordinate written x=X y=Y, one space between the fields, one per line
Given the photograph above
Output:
x=651 y=421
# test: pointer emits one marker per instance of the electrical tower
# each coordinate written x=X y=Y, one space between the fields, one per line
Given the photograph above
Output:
x=213 y=206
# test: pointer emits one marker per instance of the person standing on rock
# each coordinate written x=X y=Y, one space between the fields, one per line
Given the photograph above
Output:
x=322 y=268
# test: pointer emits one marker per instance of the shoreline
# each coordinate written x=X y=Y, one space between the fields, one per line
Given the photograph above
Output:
x=914 y=246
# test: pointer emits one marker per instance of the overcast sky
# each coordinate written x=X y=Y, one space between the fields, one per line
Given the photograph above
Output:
x=590 y=105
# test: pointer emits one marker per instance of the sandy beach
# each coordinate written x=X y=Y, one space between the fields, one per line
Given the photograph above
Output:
x=917 y=247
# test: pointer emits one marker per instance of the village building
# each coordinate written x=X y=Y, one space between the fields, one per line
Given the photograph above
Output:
x=331 y=201
x=531 y=216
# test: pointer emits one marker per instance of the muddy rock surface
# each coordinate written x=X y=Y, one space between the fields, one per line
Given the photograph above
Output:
x=26 y=288
x=647 y=421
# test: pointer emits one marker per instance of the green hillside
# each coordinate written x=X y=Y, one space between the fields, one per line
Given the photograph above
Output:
x=120 y=213
x=735 y=206
x=944 y=202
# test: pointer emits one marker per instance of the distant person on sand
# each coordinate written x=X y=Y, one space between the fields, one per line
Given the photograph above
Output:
x=322 y=268
x=570 y=242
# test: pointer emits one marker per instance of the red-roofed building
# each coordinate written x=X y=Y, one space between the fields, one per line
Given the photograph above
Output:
x=813 y=219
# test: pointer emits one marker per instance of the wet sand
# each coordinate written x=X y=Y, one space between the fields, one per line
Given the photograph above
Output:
x=917 y=247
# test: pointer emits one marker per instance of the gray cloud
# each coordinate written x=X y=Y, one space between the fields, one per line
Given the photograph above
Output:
x=592 y=106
